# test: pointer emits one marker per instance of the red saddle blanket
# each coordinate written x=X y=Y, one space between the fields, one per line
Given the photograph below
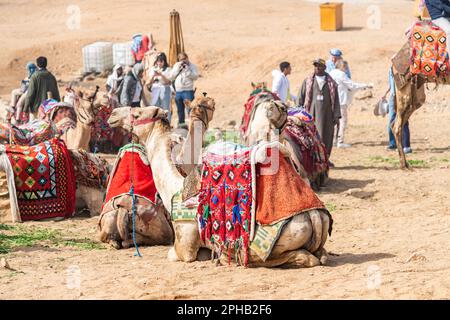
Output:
x=429 y=56
x=45 y=180
x=131 y=166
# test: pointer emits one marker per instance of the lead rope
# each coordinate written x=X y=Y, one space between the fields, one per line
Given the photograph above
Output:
x=133 y=196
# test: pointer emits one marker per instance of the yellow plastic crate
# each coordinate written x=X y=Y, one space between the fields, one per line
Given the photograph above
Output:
x=331 y=17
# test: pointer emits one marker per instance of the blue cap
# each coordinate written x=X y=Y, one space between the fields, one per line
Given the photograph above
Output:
x=336 y=52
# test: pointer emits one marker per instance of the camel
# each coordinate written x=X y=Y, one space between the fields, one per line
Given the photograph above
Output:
x=410 y=96
x=267 y=124
x=149 y=127
x=300 y=243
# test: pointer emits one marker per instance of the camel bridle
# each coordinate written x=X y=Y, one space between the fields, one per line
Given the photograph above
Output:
x=204 y=115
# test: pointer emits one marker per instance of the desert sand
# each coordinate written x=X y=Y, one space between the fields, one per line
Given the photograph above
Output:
x=391 y=233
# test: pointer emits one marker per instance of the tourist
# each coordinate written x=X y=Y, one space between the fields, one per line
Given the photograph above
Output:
x=319 y=96
x=41 y=82
x=139 y=47
x=160 y=84
x=280 y=84
x=184 y=73
x=114 y=83
x=439 y=11
x=18 y=95
x=132 y=91
x=335 y=56
x=391 y=119
x=346 y=89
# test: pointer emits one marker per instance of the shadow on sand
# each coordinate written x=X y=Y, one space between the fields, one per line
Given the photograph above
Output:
x=342 y=185
x=350 y=258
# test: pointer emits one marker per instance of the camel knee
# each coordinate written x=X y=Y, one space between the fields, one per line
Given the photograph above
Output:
x=172 y=255
x=302 y=258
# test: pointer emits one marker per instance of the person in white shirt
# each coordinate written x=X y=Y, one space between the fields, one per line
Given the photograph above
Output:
x=159 y=84
x=280 y=84
x=346 y=90
x=114 y=82
x=184 y=73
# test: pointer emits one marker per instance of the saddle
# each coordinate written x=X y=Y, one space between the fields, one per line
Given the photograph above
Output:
x=29 y=134
x=429 y=56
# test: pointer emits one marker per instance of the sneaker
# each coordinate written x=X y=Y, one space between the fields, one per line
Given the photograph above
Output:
x=331 y=164
x=343 y=145
x=391 y=147
x=407 y=150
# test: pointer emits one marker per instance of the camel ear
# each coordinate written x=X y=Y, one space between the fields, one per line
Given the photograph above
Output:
x=187 y=103
x=253 y=85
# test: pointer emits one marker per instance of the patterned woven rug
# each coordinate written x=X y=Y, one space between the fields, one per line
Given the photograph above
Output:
x=101 y=131
x=225 y=198
x=90 y=170
x=429 y=55
x=307 y=145
x=44 y=178
x=29 y=134
x=131 y=165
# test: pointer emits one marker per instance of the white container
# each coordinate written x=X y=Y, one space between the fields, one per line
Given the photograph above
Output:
x=122 y=54
x=98 y=57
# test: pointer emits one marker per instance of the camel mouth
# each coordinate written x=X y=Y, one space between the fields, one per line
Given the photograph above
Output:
x=113 y=123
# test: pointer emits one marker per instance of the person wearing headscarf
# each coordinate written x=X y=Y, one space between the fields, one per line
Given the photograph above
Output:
x=132 y=92
x=114 y=82
x=320 y=97
x=18 y=95
x=41 y=83
x=160 y=84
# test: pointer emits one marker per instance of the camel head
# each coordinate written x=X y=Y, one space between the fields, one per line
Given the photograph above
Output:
x=83 y=104
x=270 y=115
x=259 y=85
x=202 y=108
x=139 y=121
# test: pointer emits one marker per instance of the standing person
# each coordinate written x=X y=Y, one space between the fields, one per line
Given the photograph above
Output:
x=41 y=82
x=335 y=56
x=132 y=92
x=160 y=83
x=139 y=47
x=319 y=96
x=439 y=11
x=184 y=73
x=114 y=83
x=280 y=84
x=391 y=119
x=18 y=95
x=346 y=90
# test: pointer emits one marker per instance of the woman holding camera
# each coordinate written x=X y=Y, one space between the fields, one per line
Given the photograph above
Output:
x=160 y=83
x=184 y=73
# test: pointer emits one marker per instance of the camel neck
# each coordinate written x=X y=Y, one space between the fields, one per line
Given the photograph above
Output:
x=168 y=180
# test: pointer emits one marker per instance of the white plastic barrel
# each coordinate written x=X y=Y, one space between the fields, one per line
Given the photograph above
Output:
x=98 y=57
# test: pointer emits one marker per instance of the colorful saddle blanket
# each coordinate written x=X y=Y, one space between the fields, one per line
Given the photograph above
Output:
x=227 y=212
x=45 y=180
x=307 y=145
x=429 y=56
x=248 y=109
x=101 y=131
x=90 y=170
x=131 y=168
x=225 y=198
x=29 y=134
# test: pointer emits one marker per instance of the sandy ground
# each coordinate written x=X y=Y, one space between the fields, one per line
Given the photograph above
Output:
x=390 y=239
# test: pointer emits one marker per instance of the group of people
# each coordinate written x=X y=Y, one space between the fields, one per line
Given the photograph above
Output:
x=39 y=85
x=326 y=94
x=127 y=88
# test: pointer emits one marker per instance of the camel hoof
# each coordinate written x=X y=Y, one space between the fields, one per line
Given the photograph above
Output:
x=172 y=255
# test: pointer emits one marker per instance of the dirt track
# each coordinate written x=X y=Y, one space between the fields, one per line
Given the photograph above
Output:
x=390 y=237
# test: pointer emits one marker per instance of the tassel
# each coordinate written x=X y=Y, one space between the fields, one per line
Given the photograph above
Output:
x=236 y=214
x=205 y=211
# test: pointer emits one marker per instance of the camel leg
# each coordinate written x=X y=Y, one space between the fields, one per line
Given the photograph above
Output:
x=291 y=259
x=397 y=129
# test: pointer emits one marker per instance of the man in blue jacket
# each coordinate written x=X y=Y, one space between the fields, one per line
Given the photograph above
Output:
x=440 y=15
